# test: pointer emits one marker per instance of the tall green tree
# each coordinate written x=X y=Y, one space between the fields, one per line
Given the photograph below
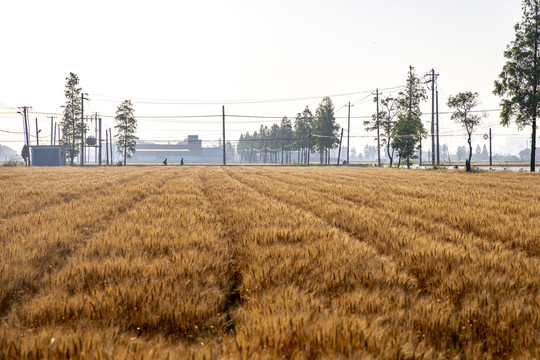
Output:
x=518 y=82
x=463 y=103
x=325 y=129
x=303 y=125
x=409 y=130
x=71 y=121
x=286 y=135
x=126 y=127
x=385 y=122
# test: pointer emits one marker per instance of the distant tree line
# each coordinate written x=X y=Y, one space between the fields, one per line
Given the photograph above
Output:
x=281 y=142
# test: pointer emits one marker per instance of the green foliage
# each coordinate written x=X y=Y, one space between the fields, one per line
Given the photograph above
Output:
x=385 y=122
x=71 y=122
x=407 y=133
x=126 y=127
x=269 y=143
x=464 y=103
x=408 y=130
x=303 y=125
x=325 y=127
x=518 y=82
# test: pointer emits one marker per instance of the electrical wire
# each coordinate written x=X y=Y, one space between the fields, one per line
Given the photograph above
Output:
x=154 y=101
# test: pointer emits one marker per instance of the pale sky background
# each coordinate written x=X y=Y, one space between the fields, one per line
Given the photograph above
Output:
x=225 y=51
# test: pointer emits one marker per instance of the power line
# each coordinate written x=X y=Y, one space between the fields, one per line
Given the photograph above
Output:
x=154 y=101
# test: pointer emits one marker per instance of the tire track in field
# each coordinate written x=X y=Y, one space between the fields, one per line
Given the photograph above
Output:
x=390 y=246
x=235 y=253
x=52 y=255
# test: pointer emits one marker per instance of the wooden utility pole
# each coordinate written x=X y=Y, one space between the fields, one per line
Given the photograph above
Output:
x=437 y=119
x=26 y=130
x=107 y=146
x=432 y=117
x=111 y=145
x=378 y=131
x=339 y=151
x=432 y=81
x=82 y=127
x=348 y=131
x=37 y=133
x=490 y=156
x=53 y=129
x=100 y=155
x=224 y=146
x=309 y=147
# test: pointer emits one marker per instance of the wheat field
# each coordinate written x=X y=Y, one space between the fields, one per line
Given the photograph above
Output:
x=268 y=262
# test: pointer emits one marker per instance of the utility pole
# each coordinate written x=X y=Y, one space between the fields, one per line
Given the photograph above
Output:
x=348 y=132
x=52 y=130
x=99 y=142
x=107 y=146
x=432 y=117
x=309 y=147
x=111 y=145
x=340 y=142
x=378 y=131
x=37 y=133
x=82 y=127
x=26 y=129
x=437 y=111
x=432 y=80
x=490 y=156
x=54 y=134
x=96 y=136
x=224 y=146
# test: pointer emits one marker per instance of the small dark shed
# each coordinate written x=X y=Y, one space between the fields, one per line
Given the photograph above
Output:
x=48 y=155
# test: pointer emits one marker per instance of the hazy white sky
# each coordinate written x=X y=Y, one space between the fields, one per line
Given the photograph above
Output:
x=243 y=50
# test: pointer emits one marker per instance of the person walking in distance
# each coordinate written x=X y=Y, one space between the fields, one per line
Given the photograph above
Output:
x=165 y=162
x=182 y=162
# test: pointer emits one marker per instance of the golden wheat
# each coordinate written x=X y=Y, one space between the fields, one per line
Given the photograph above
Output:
x=253 y=262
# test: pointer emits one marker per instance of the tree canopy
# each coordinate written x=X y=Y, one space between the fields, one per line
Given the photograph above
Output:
x=325 y=129
x=71 y=121
x=308 y=133
x=518 y=80
x=384 y=121
x=126 y=127
x=463 y=103
x=408 y=129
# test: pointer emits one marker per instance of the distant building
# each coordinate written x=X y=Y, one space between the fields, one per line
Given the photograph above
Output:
x=48 y=155
x=190 y=149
